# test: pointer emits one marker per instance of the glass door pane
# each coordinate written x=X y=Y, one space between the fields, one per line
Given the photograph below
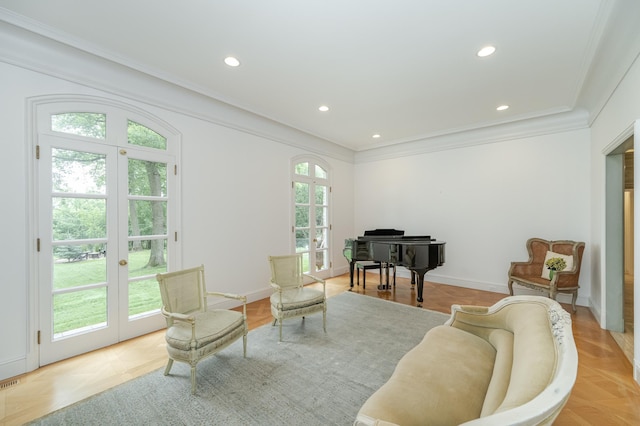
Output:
x=76 y=215
x=79 y=231
x=321 y=224
x=302 y=218
x=311 y=216
x=103 y=220
x=147 y=234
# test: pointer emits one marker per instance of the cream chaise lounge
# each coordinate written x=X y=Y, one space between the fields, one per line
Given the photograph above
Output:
x=513 y=363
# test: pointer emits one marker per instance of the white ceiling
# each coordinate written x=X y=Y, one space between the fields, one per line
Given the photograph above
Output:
x=407 y=69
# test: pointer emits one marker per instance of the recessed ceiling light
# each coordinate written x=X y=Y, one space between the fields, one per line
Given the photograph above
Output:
x=502 y=107
x=323 y=108
x=376 y=136
x=231 y=61
x=486 y=51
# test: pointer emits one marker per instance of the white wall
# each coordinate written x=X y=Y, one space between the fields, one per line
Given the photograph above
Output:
x=14 y=312
x=612 y=125
x=235 y=191
x=485 y=201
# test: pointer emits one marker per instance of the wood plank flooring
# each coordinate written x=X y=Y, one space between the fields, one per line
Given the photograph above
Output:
x=604 y=394
x=625 y=339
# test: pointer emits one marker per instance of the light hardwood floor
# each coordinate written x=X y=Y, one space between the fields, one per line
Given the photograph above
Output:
x=625 y=339
x=604 y=393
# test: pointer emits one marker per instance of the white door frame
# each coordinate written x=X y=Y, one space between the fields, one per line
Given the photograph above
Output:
x=35 y=106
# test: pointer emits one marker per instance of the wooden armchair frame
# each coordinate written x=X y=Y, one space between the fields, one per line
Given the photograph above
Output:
x=195 y=331
x=291 y=298
x=528 y=274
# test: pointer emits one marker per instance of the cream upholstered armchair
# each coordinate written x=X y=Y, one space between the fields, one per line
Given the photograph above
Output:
x=195 y=332
x=291 y=298
x=535 y=274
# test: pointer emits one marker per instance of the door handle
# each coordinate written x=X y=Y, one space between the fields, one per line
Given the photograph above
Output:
x=122 y=262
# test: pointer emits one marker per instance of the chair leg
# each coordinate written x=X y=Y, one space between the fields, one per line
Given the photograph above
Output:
x=244 y=344
x=394 y=275
x=193 y=380
x=573 y=301
x=168 y=367
x=510 y=284
x=386 y=276
x=324 y=318
x=280 y=331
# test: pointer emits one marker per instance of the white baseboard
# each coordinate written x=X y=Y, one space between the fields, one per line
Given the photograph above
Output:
x=340 y=271
x=13 y=368
x=488 y=286
x=221 y=303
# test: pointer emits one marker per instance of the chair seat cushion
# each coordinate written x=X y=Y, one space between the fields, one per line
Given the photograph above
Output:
x=210 y=326
x=532 y=279
x=441 y=381
x=297 y=298
x=368 y=264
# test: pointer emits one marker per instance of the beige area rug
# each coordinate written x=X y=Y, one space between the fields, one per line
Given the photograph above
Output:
x=311 y=378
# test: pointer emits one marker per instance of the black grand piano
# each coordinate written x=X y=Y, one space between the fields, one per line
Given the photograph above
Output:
x=419 y=254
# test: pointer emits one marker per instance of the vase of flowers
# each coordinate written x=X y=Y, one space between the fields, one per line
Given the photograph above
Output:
x=555 y=264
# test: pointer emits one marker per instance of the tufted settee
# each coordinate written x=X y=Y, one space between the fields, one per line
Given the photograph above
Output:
x=513 y=363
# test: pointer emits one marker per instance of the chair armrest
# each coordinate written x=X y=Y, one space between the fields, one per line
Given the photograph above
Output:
x=525 y=269
x=566 y=279
x=275 y=286
x=178 y=316
x=243 y=299
x=227 y=295
x=316 y=279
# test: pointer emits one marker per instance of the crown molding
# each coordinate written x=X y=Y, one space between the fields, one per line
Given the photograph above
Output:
x=618 y=50
x=553 y=123
x=29 y=50
x=27 y=44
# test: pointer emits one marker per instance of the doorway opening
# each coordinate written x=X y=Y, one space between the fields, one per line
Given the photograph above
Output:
x=625 y=339
x=619 y=256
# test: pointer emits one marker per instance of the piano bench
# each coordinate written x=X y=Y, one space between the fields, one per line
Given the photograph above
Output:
x=372 y=264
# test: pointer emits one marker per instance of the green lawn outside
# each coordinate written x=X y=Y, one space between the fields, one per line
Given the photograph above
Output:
x=86 y=308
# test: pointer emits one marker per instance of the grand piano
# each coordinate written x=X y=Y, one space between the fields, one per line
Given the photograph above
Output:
x=419 y=254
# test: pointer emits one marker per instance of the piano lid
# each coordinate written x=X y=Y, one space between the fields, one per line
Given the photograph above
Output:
x=383 y=232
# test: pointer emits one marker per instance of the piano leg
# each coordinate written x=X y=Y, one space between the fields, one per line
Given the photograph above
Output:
x=386 y=286
x=420 y=274
x=351 y=268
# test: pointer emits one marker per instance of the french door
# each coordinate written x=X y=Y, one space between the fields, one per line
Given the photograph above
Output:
x=311 y=198
x=104 y=216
